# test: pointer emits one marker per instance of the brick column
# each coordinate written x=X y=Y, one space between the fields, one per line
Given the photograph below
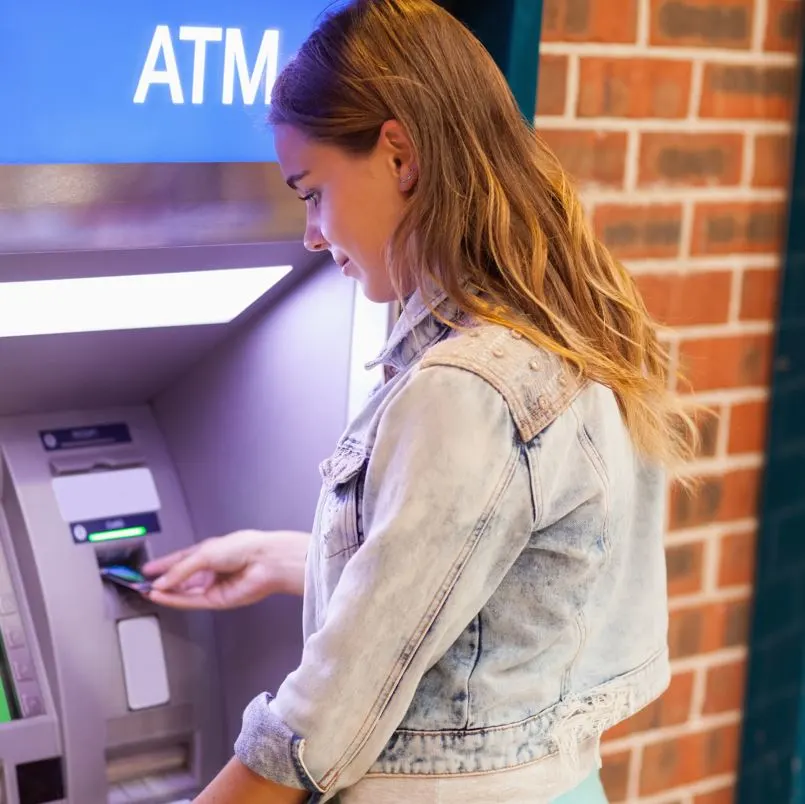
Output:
x=675 y=118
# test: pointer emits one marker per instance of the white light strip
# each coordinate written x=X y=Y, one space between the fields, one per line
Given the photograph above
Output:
x=56 y=306
x=370 y=330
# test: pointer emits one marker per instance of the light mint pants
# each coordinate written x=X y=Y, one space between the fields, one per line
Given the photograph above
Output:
x=590 y=791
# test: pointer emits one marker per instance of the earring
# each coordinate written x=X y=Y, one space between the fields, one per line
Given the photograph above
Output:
x=409 y=177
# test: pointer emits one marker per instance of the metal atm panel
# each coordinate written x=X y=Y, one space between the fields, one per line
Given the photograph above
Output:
x=134 y=687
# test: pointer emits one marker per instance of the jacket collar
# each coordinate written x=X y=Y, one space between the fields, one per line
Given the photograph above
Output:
x=416 y=330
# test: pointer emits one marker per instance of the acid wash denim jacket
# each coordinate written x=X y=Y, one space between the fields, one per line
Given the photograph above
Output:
x=485 y=585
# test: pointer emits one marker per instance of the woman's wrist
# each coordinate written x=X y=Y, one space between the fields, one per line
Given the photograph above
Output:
x=287 y=556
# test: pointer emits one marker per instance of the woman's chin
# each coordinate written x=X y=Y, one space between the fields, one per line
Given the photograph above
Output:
x=377 y=295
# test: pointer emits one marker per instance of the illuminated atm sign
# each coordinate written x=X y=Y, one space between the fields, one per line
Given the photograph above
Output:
x=152 y=81
x=161 y=67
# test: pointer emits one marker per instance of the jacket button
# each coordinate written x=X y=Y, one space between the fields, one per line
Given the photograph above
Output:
x=534 y=365
x=517 y=335
x=498 y=352
x=543 y=403
x=562 y=380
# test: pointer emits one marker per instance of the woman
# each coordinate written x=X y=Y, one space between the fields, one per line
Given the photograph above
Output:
x=485 y=584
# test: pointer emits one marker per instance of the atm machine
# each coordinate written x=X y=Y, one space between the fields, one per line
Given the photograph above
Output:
x=173 y=366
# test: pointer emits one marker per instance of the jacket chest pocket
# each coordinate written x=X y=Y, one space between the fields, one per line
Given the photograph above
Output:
x=340 y=528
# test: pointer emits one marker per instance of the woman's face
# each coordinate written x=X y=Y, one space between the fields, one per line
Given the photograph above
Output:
x=354 y=203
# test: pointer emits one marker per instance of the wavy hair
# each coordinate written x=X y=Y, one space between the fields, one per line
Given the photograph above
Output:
x=494 y=220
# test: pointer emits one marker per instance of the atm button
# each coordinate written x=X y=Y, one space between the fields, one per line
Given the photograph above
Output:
x=23 y=669
x=15 y=637
x=8 y=604
x=32 y=706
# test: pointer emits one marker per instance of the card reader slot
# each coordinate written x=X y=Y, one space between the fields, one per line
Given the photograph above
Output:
x=127 y=554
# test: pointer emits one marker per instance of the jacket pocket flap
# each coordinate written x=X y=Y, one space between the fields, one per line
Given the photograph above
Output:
x=342 y=465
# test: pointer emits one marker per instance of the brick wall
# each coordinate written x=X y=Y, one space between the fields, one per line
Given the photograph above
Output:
x=675 y=118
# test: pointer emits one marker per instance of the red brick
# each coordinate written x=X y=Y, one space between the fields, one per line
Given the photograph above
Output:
x=748 y=427
x=688 y=759
x=718 y=498
x=671 y=709
x=737 y=562
x=684 y=568
x=615 y=775
x=589 y=21
x=772 y=161
x=632 y=232
x=783 y=26
x=707 y=628
x=759 y=293
x=702 y=23
x=752 y=92
x=730 y=362
x=724 y=691
x=691 y=159
x=683 y=300
x=552 y=90
x=590 y=157
x=608 y=88
x=739 y=228
x=708 y=425
x=724 y=795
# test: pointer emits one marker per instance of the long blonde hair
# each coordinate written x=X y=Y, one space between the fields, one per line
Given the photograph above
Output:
x=494 y=220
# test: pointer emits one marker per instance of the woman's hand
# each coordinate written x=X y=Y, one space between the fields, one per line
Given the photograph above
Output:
x=230 y=571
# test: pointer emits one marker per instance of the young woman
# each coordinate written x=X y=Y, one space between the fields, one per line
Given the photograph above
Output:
x=485 y=582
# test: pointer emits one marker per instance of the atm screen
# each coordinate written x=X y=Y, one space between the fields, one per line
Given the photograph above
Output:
x=9 y=707
x=5 y=704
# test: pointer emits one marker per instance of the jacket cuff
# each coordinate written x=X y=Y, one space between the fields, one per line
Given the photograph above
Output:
x=268 y=747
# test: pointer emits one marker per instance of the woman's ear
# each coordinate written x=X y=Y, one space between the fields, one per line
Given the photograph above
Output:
x=398 y=149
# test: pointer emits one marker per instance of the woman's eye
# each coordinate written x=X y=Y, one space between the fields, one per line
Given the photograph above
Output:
x=311 y=196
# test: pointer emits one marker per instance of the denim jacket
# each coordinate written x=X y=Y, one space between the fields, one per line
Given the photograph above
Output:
x=486 y=582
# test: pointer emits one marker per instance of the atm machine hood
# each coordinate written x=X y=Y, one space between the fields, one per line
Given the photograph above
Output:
x=71 y=221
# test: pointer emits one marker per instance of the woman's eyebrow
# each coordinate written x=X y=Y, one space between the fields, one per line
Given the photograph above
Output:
x=292 y=180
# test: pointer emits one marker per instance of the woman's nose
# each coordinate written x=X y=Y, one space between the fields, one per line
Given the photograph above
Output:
x=314 y=240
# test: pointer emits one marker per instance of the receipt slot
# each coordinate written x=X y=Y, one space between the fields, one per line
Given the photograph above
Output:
x=133 y=687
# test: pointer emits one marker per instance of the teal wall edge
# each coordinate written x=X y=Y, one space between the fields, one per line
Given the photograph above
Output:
x=772 y=765
x=510 y=30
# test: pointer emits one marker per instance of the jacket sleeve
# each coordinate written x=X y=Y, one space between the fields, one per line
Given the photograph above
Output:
x=448 y=507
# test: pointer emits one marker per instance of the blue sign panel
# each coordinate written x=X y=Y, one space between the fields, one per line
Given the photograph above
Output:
x=149 y=81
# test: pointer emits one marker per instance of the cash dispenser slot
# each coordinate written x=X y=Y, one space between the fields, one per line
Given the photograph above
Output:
x=94 y=462
x=151 y=773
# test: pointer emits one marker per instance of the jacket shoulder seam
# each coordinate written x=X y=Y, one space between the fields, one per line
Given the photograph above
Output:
x=536 y=385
